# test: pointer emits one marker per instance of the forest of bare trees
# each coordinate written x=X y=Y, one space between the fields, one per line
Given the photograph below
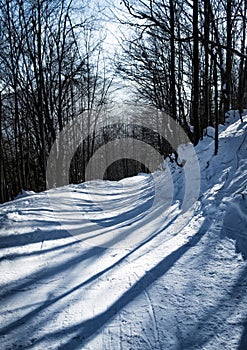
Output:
x=51 y=71
x=186 y=58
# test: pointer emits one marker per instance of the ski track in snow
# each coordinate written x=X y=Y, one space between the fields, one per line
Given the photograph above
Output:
x=182 y=285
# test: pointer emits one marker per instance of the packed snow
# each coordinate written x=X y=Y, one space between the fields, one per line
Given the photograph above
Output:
x=121 y=266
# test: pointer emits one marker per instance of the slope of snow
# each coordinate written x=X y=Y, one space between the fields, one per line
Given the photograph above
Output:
x=118 y=265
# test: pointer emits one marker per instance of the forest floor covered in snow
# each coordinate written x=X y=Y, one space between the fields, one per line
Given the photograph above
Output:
x=118 y=266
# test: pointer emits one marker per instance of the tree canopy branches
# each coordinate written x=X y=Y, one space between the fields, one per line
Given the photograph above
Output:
x=184 y=44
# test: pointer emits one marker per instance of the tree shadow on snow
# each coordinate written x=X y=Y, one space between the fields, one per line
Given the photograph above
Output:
x=243 y=340
x=46 y=274
x=214 y=319
x=82 y=333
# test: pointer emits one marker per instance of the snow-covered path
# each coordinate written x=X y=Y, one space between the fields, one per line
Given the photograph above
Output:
x=69 y=280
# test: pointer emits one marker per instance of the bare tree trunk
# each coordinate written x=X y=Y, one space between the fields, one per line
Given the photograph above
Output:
x=195 y=89
x=172 y=64
x=2 y=185
x=40 y=94
x=206 y=73
x=241 y=85
x=228 y=80
x=216 y=125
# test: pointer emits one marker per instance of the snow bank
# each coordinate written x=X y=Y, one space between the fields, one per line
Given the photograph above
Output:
x=235 y=222
x=24 y=194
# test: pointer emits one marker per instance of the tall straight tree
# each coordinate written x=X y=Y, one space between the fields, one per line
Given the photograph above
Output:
x=207 y=117
x=216 y=124
x=196 y=69
x=228 y=83
x=2 y=194
x=243 y=62
x=172 y=64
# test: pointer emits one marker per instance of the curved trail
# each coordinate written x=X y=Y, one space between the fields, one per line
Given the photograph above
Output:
x=177 y=283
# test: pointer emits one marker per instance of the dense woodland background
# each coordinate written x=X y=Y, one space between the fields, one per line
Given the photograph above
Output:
x=186 y=58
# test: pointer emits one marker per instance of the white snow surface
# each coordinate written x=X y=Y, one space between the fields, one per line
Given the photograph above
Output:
x=118 y=266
